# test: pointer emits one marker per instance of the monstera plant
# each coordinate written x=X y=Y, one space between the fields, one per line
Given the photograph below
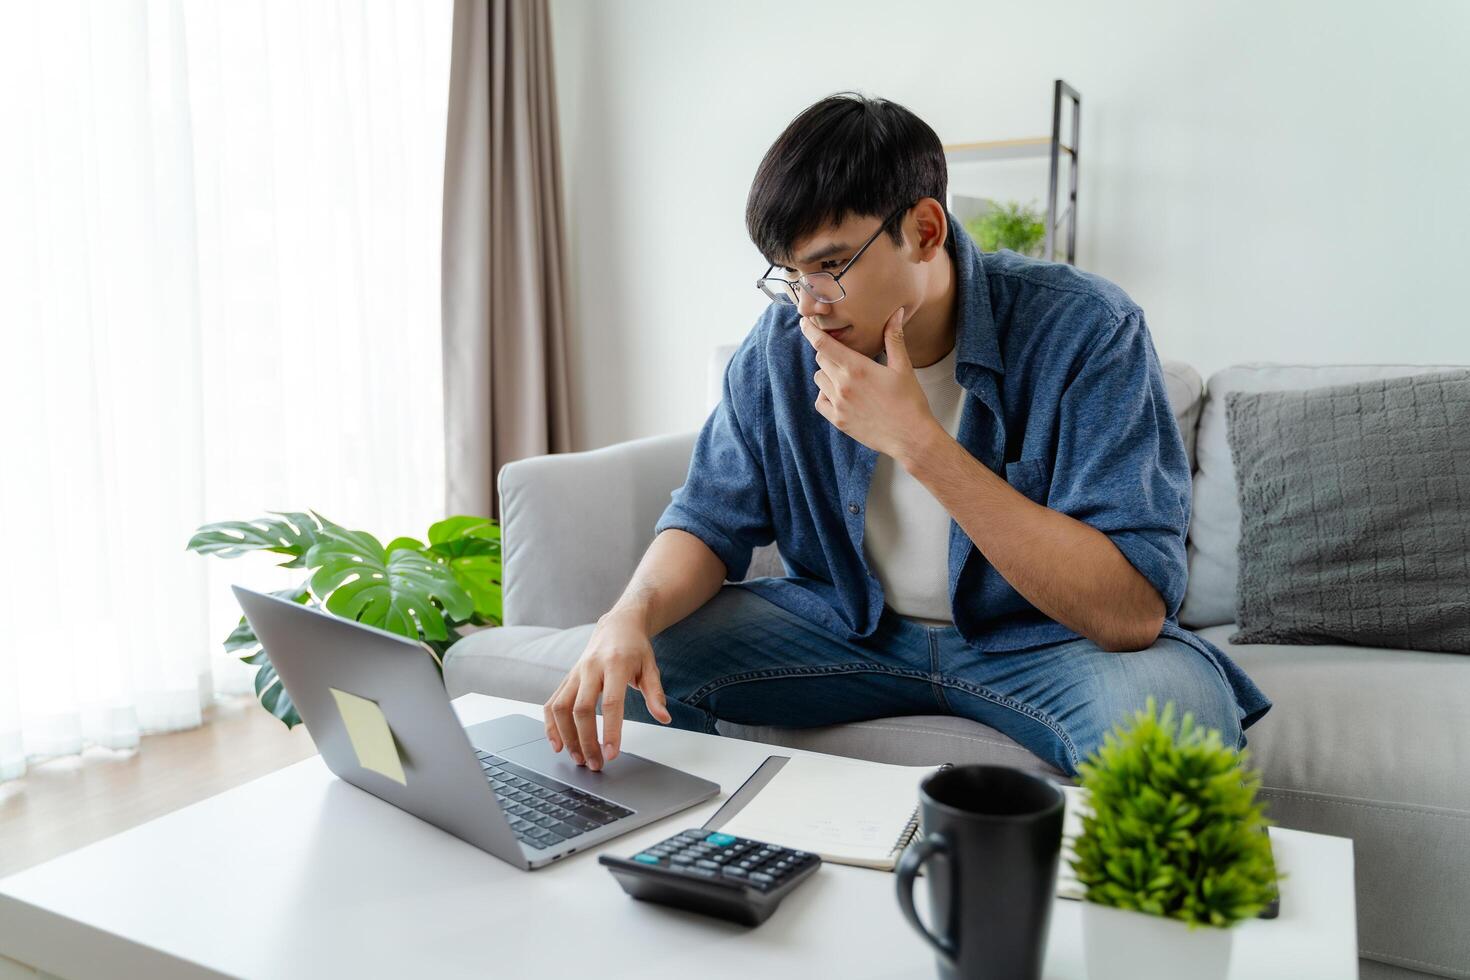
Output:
x=424 y=591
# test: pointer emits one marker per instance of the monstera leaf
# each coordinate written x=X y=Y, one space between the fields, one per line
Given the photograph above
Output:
x=243 y=643
x=293 y=535
x=403 y=591
x=479 y=575
x=457 y=536
x=470 y=547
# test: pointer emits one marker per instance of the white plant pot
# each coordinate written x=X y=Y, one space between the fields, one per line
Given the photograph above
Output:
x=1124 y=945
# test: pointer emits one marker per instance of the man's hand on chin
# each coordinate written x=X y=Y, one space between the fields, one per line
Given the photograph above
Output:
x=881 y=406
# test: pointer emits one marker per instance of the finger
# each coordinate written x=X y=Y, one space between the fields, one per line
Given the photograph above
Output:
x=826 y=364
x=839 y=357
x=836 y=368
x=584 y=715
x=552 y=735
x=650 y=682
x=895 y=343
x=835 y=353
x=812 y=333
x=824 y=384
x=825 y=408
x=562 y=712
x=614 y=692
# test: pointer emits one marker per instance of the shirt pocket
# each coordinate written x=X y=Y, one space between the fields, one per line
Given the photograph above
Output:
x=1031 y=478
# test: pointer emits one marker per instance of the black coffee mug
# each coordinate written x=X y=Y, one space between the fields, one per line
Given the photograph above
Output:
x=996 y=835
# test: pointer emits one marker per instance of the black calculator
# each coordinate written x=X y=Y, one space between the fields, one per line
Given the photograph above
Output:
x=730 y=877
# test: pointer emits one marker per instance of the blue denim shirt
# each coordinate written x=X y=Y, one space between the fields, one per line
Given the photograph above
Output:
x=1065 y=400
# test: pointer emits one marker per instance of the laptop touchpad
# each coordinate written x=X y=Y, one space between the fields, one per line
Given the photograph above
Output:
x=628 y=779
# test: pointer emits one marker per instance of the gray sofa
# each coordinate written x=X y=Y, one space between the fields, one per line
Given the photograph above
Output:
x=1365 y=743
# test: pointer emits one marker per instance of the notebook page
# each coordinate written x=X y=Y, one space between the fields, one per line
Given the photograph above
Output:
x=846 y=810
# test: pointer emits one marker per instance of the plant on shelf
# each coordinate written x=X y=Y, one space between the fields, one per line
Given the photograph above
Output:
x=1009 y=225
x=1171 y=829
x=425 y=592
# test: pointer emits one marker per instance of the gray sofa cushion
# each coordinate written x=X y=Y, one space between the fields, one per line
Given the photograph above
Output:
x=1355 y=513
x=1370 y=744
x=575 y=525
x=1214 y=522
x=1186 y=397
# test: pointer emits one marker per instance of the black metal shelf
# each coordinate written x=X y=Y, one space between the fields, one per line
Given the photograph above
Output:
x=1051 y=147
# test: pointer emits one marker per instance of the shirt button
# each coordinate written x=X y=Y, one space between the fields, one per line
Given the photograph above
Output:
x=853 y=508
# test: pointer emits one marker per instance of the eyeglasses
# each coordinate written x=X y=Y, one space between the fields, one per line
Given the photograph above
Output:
x=823 y=287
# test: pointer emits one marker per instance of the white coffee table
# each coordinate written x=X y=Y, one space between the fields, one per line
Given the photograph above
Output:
x=298 y=874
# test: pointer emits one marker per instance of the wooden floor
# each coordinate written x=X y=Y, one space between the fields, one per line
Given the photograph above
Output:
x=67 y=803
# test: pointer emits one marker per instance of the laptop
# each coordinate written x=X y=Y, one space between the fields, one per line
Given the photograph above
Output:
x=497 y=785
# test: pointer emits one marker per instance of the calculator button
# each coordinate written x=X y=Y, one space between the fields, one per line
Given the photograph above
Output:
x=735 y=872
x=764 y=879
x=646 y=858
x=720 y=840
x=707 y=864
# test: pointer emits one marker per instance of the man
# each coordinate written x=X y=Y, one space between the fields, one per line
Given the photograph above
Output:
x=968 y=463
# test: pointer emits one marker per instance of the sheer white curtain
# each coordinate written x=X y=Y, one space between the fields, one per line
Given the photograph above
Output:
x=219 y=275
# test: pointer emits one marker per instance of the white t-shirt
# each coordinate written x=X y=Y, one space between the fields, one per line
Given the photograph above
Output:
x=905 y=530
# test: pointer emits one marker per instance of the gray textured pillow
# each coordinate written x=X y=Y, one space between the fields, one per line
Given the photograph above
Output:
x=1355 y=513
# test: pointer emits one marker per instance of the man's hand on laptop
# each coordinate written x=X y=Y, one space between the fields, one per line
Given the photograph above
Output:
x=619 y=654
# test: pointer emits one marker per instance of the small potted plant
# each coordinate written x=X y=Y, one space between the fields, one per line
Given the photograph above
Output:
x=1013 y=225
x=1173 y=850
x=432 y=592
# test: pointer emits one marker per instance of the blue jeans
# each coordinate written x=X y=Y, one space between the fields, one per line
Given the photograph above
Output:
x=742 y=659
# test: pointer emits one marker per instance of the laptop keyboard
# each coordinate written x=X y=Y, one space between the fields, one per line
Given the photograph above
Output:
x=543 y=811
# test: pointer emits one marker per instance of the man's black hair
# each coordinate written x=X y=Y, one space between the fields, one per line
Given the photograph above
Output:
x=846 y=155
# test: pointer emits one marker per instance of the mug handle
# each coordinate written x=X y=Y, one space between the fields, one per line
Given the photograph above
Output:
x=908 y=866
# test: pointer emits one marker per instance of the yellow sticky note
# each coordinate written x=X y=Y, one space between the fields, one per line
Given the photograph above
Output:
x=371 y=738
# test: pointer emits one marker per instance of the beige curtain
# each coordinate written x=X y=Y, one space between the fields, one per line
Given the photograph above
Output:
x=504 y=295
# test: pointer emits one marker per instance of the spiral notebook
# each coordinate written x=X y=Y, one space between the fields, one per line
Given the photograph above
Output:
x=845 y=810
x=861 y=813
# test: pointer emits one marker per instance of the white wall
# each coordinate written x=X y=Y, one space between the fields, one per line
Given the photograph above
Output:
x=1270 y=180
